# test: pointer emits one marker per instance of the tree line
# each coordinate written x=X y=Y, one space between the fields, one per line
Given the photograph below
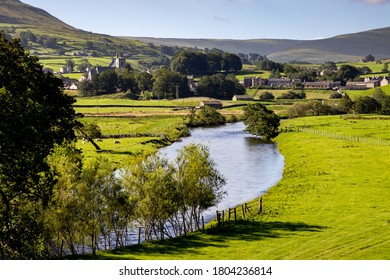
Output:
x=95 y=207
x=164 y=83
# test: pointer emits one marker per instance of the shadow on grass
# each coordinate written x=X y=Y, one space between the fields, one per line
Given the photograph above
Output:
x=244 y=230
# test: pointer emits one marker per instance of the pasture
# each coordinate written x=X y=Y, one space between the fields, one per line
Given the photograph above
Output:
x=331 y=204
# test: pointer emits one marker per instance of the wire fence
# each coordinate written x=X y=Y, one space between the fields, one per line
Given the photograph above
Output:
x=340 y=136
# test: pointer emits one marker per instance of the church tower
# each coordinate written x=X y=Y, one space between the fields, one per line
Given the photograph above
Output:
x=120 y=62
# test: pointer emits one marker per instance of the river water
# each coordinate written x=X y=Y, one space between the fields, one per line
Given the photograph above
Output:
x=249 y=165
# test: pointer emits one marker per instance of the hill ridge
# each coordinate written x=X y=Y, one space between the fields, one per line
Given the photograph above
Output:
x=344 y=47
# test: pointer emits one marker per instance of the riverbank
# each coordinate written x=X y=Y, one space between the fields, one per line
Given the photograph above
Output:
x=332 y=203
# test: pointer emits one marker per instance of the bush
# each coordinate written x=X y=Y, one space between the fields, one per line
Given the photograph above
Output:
x=292 y=95
x=311 y=108
x=208 y=116
x=266 y=96
x=336 y=95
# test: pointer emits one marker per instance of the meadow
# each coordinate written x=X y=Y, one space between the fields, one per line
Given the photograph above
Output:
x=124 y=139
x=331 y=204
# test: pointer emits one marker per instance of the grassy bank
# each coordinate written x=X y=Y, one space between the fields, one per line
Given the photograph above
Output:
x=332 y=203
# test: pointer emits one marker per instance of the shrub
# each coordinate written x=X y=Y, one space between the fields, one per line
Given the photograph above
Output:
x=311 y=108
x=292 y=95
x=208 y=116
x=336 y=95
x=266 y=96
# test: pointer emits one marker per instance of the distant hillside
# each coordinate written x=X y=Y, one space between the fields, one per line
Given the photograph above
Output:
x=16 y=12
x=260 y=46
x=17 y=17
x=349 y=47
x=54 y=37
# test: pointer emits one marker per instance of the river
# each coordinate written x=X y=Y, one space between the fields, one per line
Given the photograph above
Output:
x=249 y=165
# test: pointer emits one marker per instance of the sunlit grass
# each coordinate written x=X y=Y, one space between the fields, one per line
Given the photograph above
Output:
x=332 y=203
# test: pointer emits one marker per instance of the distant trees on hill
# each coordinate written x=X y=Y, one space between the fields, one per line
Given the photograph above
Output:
x=198 y=62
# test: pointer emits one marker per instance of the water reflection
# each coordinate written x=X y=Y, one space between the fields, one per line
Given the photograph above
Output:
x=249 y=164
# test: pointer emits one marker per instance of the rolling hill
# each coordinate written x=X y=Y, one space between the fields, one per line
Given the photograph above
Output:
x=14 y=12
x=16 y=17
x=348 y=47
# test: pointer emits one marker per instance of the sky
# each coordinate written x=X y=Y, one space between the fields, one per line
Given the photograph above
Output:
x=221 y=19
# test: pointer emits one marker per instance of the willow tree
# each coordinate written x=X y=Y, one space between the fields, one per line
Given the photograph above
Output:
x=35 y=115
x=200 y=184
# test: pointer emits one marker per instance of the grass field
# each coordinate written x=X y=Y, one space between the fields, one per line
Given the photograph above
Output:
x=148 y=134
x=332 y=203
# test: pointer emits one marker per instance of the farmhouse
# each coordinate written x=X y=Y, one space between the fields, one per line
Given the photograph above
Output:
x=65 y=70
x=249 y=82
x=280 y=83
x=384 y=81
x=242 y=97
x=321 y=85
x=214 y=104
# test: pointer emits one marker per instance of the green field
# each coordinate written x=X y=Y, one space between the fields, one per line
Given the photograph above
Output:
x=139 y=137
x=332 y=203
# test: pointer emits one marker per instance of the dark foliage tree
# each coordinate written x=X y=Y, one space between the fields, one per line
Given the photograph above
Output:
x=366 y=105
x=369 y=58
x=385 y=110
x=168 y=84
x=231 y=63
x=201 y=63
x=219 y=86
x=190 y=62
x=260 y=121
x=35 y=115
x=347 y=73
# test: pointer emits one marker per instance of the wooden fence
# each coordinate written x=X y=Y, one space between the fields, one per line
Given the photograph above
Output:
x=232 y=214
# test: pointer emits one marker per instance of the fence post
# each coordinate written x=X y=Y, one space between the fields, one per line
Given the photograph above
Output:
x=260 y=205
x=235 y=214
x=243 y=210
x=218 y=219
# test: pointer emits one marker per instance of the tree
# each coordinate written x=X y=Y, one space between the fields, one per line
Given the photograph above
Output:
x=35 y=115
x=385 y=105
x=219 y=86
x=154 y=188
x=347 y=73
x=70 y=64
x=369 y=58
x=199 y=183
x=166 y=83
x=83 y=65
x=207 y=116
x=366 y=105
x=260 y=121
x=231 y=62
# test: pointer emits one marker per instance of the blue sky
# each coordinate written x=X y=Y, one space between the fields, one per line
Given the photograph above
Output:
x=221 y=19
